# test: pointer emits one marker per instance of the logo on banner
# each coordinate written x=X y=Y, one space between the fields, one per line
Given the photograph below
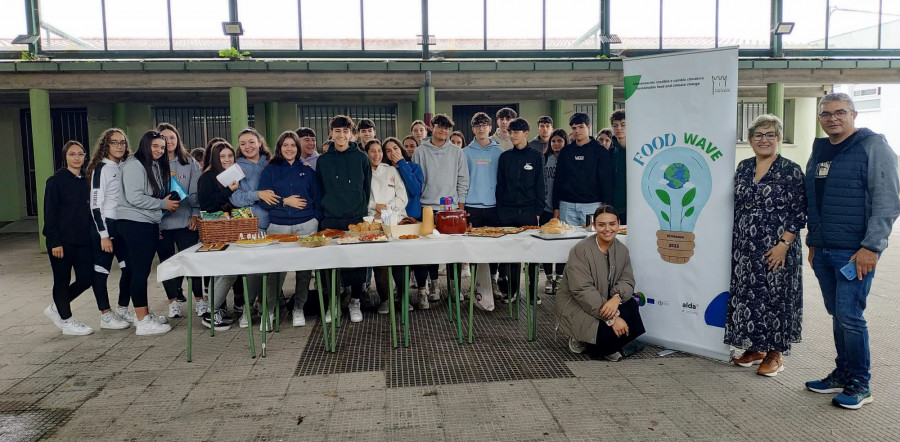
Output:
x=720 y=84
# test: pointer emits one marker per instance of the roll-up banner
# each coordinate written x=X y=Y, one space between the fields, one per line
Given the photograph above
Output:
x=682 y=113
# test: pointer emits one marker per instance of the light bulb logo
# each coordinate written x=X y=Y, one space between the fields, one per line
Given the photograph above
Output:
x=676 y=184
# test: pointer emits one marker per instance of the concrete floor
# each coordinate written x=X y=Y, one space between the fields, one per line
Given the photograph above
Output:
x=113 y=385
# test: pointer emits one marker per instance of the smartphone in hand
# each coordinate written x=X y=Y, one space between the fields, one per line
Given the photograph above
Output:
x=849 y=271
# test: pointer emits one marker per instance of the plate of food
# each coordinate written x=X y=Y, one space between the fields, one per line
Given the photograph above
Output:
x=258 y=242
x=313 y=241
x=363 y=239
x=409 y=236
x=284 y=237
x=330 y=233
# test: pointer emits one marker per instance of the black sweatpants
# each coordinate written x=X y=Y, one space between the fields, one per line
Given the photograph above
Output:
x=182 y=239
x=142 y=240
x=355 y=278
x=519 y=218
x=103 y=264
x=78 y=257
x=607 y=341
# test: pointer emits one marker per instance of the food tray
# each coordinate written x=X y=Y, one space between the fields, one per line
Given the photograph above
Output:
x=557 y=236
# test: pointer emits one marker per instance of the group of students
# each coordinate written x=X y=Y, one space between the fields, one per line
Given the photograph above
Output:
x=126 y=206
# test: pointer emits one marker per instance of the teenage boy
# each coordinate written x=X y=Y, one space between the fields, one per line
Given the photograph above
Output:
x=617 y=152
x=482 y=158
x=345 y=177
x=520 y=195
x=545 y=128
x=366 y=128
x=446 y=174
x=308 y=152
x=584 y=174
x=504 y=116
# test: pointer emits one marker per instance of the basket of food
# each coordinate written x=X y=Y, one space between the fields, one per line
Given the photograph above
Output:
x=314 y=241
x=224 y=227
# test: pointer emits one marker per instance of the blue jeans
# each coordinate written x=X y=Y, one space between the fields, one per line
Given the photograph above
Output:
x=845 y=301
x=573 y=214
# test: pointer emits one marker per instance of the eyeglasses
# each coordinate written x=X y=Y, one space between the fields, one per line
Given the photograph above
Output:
x=481 y=126
x=75 y=155
x=758 y=136
x=839 y=114
x=117 y=143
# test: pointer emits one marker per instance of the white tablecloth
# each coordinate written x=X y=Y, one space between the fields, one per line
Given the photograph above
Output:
x=235 y=260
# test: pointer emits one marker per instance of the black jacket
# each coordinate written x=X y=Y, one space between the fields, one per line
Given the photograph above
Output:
x=67 y=210
x=345 y=180
x=584 y=174
x=212 y=196
x=520 y=181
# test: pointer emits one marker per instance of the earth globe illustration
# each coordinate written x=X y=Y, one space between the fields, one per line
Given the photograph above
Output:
x=677 y=175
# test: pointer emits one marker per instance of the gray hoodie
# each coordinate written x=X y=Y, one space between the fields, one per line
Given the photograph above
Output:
x=446 y=172
x=136 y=201
x=187 y=175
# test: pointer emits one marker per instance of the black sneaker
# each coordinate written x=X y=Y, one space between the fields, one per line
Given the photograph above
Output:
x=220 y=324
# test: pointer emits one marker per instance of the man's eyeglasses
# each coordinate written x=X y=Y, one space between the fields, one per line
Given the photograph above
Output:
x=481 y=126
x=839 y=114
x=758 y=136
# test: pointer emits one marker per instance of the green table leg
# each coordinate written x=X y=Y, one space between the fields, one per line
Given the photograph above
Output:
x=534 y=316
x=471 y=300
x=190 y=298
x=509 y=289
x=248 y=316
x=212 y=302
x=335 y=311
x=459 y=335
x=339 y=310
x=264 y=322
x=322 y=308
x=528 y=330
x=449 y=293
x=404 y=306
x=391 y=301
x=278 y=297
x=516 y=296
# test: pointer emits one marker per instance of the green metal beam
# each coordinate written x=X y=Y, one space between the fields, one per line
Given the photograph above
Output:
x=604 y=106
x=42 y=143
x=237 y=98
x=33 y=24
x=556 y=113
x=272 y=132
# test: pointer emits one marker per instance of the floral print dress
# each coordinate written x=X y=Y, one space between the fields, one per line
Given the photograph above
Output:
x=765 y=309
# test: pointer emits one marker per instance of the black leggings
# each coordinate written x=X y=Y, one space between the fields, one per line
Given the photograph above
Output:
x=141 y=240
x=103 y=264
x=355 y=278
x=79 y=258
x=182 y=239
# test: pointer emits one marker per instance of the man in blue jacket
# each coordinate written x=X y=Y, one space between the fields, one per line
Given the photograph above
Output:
x=852 y=188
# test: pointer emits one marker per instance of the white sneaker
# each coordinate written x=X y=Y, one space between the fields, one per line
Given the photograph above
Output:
x=174 y=309
x=432 y=291
x=51 y=313
x=74 y=327
x=271 y=322
x=125 y=314
x=242 y=323
x=149 y=326
x=159 y=319
x=422 y=303
x=615 y=357
x=465 y=273
x=495 y=288
x=355 y=311
x=112 y=321
x=328 y=316
x=576 y=346
x=299 y=318
x=548 y=286
x=201 y=307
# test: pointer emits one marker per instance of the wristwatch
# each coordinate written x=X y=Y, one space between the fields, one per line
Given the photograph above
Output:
x=787 y=243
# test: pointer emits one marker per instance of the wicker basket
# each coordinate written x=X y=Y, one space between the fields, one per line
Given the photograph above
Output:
x=227 y=230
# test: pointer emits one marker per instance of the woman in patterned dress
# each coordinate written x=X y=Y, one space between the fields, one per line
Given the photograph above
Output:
x=765 y=309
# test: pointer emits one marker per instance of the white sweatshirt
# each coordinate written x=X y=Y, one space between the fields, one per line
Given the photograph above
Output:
x=104 y=194
x=388 y=189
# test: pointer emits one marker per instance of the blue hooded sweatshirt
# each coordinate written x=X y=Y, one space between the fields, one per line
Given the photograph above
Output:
x=483 y=163
x=287 y=179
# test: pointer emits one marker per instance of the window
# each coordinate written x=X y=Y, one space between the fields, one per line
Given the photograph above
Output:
x=853 y=25
x=746 y=113
x=636 y=22
x=197 y=125
x=72 y=26
x=392 y=24
x=591 y=110
x=890 y=25
x=457 y=25
x=317 y=117
x=809 y=31
x=689 y=24
x=331 y=25
x=137 y=25
x=12 y=24
x=197 y=24
x=270 y=24
x=515 y=25
x=573 y=24
x=745 y=24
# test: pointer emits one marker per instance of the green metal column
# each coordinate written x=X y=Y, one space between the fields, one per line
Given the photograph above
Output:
x=42 y=143
x=556 y=113
x=120 y=117
x=775 y=99
x=604 y=106
x=272 y=132
x=237 y=97
x=419 y=105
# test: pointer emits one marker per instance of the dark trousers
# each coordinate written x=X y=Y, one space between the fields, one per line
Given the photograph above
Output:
x=381 y=281
x=519 y=218
x=182 y=239
x=355 y=278
x=141 y=240
x=424 y=273
x=485 y=217
x=78 y=257
x=607 y=341
x=548 y=266
x=103 y=264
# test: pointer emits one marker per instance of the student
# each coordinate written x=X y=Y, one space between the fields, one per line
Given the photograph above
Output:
x=458 y=139
x=179 y=229
x=617 y=154
x=199 y=155
x=604 y=137
x=67 y=230
x=209 y=144
x=308 y=152
x=482 y=159
x=345 y=177
x=446 y=174
x=299 y=209
x=583 y=175
x=366 y=130
x=501 y=136
x=253 y=157
x=103 y=174
x=419 y=131
x=558 y=140
x=520 y=195
x=545 y=128
x=214 y=197
x=410 y=144
x=143 y=197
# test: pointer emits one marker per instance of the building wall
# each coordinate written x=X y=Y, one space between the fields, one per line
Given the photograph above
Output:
x=12 y=175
